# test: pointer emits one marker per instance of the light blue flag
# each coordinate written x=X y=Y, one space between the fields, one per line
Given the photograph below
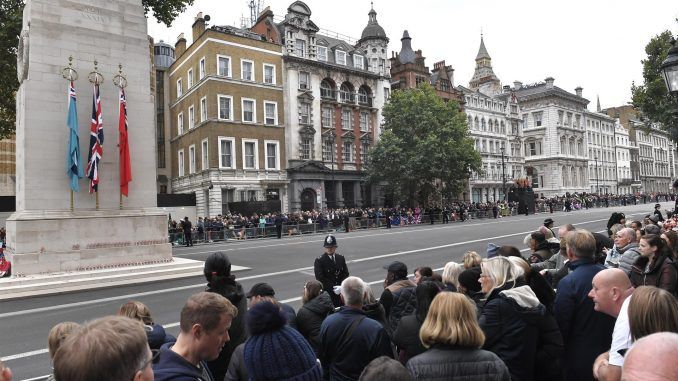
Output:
x=73 y=161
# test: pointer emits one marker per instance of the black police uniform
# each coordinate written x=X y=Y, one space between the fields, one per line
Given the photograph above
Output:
x=331 y=272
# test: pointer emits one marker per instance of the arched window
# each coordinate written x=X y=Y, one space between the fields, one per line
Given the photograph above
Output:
x=490 y=125
x=496 y=125
x=572 y=151
x=483 y=125
x=365 y=96
x=564 y=177
x=346 y=93
x=470 y=122
x=327 y=89
x=563 y=148
x=476 y=124
x=573 y=176
x=503 y=127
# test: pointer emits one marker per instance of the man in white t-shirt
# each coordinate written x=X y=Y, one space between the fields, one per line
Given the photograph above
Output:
x=611 y=293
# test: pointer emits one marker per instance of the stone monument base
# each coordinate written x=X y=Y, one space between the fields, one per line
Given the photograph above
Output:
x=53 y=241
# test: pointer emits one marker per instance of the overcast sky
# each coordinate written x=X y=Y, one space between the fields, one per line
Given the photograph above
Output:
x=595 y=44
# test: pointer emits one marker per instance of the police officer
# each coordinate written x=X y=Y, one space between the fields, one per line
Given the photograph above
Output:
x=330 y=269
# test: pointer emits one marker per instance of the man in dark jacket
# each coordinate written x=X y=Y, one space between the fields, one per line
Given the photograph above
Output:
x=658 y=212
x=330 y=269
x=586 y=333
x=205 y=320
x=264 y=290
x=187 y=227
x=399 y=296
x=348 y=339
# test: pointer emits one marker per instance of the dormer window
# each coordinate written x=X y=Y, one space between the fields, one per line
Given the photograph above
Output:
x=300 y=48
x=340 y=57
x=322 y=53
x=358 y=62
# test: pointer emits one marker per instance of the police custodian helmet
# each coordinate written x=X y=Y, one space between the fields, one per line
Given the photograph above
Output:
x=330 y=241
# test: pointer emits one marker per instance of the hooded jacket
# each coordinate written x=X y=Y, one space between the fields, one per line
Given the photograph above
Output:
x=171 y=366
x=232 y=291
x=511 y=320
x=157 y=336
x=310 y=317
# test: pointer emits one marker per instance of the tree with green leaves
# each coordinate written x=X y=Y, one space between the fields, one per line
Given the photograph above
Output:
x=424 y=152
x=11 y=12
x=651 y=98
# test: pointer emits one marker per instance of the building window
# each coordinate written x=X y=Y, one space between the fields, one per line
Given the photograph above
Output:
x=328 y=148
x=205 y=154
x=191 y=117
x=326 y=90
x=180 y=90
x=189 y=78
x=180 y=123
x=203 y=109
x=322 y=53
x=533 y=148
x=300 y=48
x=363 y=96
x=348 y=152
x=340 y=57
x=387 y=93
x=364 y=121
x=180 y=163
x=327 y=117
x=271 y=113
x=249 y=148
x=537 y=118
x=226 y=153
x=304 y=113
x=191 y=159
x=247 y=70
x=272 y=162
x=201 y=67
x=346 y=93
x=224 y=66
x=304 y=80
x=358 y=61
x=225 y=107
x=346 y=119
x=364 y=148
x=249 y=107
x=305 y=151
x=269 y=74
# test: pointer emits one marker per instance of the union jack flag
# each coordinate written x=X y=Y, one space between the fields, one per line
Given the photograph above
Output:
x=96 y=141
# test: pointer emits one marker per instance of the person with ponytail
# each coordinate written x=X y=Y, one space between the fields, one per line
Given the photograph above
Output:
x=221 y=281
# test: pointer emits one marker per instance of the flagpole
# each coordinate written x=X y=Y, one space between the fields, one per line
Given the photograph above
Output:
x=71 y=75
x=121 y=82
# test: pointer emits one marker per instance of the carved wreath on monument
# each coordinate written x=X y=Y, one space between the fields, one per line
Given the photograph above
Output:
x=22 y=56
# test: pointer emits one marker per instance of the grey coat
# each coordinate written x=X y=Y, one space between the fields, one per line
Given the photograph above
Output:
x=629 y=255
x=446 y=362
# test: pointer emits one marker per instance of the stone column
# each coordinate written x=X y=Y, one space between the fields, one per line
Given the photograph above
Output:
x=85 y=235
x=357 y=195
x=339 y=194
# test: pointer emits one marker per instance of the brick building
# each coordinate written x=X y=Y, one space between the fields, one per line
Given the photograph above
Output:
x=227 y=114
x=334 y=89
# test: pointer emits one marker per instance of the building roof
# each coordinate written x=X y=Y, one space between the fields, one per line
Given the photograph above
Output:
x=482 y=51
x=406 y=53
x=541 y=90
x=373 y=29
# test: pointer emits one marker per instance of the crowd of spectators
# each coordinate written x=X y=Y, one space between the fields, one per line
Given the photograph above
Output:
x=577 y=306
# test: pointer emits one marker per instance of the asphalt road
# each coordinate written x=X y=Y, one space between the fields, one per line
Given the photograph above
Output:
x=286 y=264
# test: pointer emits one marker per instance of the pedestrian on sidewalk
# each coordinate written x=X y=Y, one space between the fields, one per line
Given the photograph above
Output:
x=188 y=228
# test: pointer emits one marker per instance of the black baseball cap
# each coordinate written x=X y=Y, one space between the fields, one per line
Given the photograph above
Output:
x=261 y=289
x=396 y=266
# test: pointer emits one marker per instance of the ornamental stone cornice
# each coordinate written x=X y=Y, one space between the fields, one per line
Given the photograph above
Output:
x=320 y=67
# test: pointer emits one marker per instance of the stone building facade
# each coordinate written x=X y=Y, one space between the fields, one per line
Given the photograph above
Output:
x=163 y=57
x=551 y=116
x=334 y=90
x=227 y=114
x=602 y=164
x=495 y=124
x=623 y=155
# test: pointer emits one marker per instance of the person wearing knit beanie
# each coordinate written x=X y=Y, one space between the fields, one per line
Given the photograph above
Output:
x=469 y=285
x=275 y=351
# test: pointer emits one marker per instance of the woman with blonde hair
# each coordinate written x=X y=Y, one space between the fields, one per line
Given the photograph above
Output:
x=317 y=306
x=652 y=310
x=471 y=259
x=454 y=339
x=451 y=275
x=155 y=333
x=517 y=327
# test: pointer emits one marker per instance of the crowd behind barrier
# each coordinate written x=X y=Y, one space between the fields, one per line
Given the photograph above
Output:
x=258 y=226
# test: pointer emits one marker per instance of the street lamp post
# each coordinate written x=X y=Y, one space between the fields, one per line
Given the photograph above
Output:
x=597 y=175
x=503 y=173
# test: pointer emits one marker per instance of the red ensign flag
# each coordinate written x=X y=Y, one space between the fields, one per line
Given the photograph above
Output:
x=125 y=163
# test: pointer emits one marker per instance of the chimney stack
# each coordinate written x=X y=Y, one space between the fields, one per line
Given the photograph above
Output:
x=198 y=26
x=180 y=46
x=578 y=90
x=549 y=81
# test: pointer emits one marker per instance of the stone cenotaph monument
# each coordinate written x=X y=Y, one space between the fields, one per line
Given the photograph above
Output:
x=50 y=231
